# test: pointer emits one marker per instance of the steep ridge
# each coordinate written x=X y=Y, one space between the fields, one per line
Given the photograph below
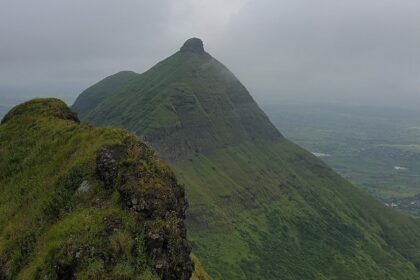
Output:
x=188 y=103
x=260 y=206
x=102 y=89
x=84 y=203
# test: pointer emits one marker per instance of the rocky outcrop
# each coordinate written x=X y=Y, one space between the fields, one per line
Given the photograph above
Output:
x=99 y=205
x=153 y=194
x=107 y=164
x=194 y=45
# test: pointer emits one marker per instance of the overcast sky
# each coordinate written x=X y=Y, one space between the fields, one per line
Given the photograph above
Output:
x=364 y=51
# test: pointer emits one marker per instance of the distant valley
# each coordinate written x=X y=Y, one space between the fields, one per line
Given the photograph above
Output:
x=376 y=148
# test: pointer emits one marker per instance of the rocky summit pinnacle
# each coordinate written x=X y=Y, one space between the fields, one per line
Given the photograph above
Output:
x=194 y=45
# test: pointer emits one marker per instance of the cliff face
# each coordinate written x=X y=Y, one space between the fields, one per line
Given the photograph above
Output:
x=84 y=203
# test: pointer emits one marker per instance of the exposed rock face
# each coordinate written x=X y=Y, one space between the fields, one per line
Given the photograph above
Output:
x=158 y=201
x=107 y=164
x=193 y=45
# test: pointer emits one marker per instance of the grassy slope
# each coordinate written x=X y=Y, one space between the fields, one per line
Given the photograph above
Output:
x=282 y=214
x=45 y=155
x=107 y=86
x=261 y=207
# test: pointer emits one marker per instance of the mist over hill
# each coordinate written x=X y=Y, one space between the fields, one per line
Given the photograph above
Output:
x=261 y=207
x=342 y=51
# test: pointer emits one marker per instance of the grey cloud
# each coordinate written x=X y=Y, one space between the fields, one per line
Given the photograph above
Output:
x=353 y=50
x=366 y=50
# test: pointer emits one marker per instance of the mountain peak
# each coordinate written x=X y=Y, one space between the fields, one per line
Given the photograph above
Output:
x=194 y=45
x=239 y=170
x=198 y=108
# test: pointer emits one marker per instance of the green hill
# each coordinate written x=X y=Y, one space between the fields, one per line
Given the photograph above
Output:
x=260 y=206
x=83 y=203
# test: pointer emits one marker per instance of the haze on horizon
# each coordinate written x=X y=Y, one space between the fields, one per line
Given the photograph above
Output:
x=345 y=51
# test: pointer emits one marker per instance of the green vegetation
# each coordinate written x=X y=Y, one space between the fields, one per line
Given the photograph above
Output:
x=68 y=201
x=260 y=206
x=376 y=148
x=187 y=103
x=279 y=213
